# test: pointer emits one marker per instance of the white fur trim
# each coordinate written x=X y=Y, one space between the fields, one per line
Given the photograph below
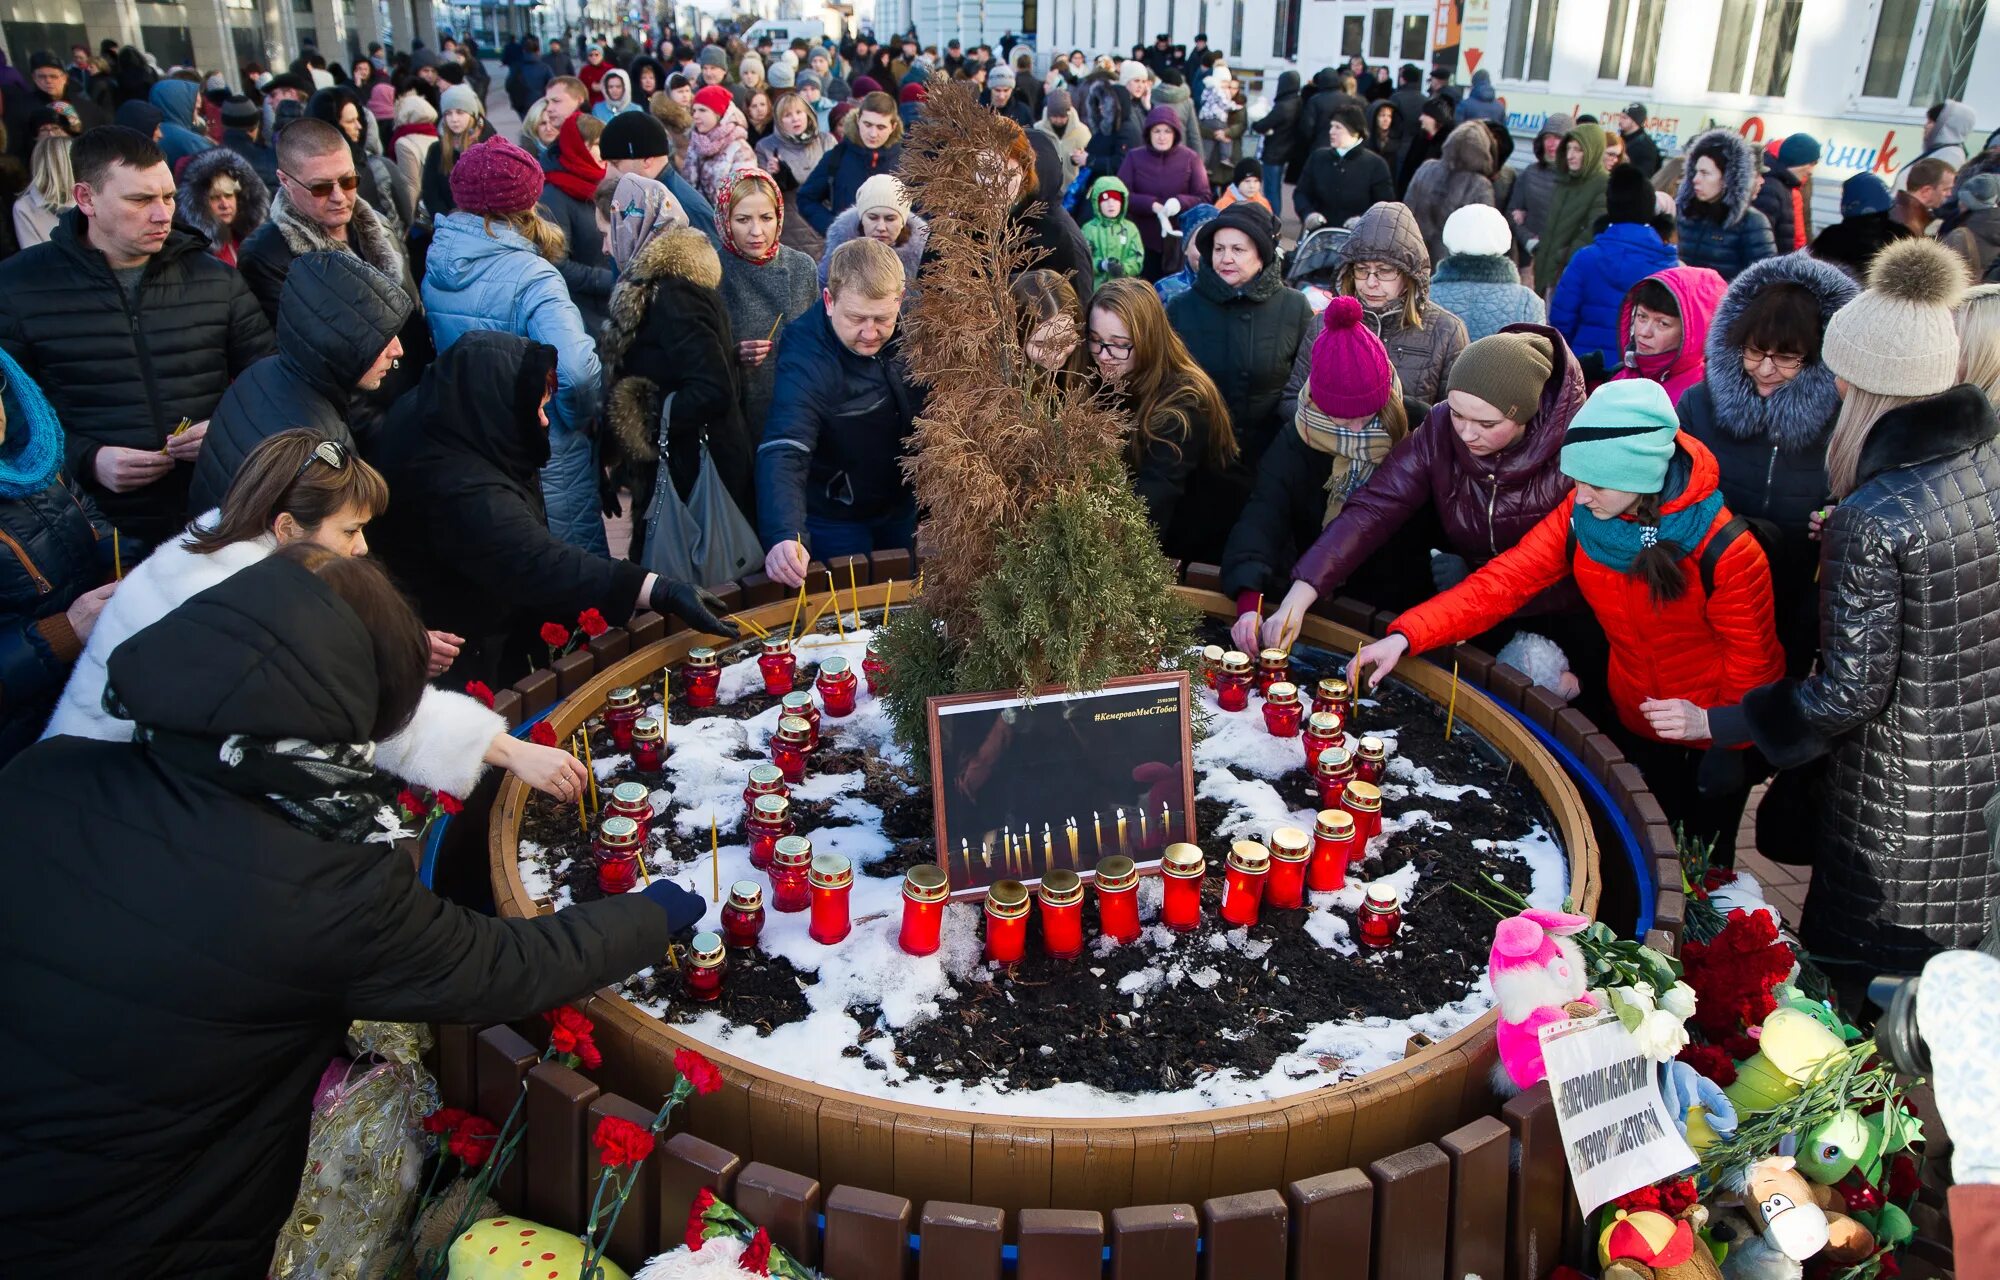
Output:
x=444 y=745
x=716 y=1261
x=1525 y=988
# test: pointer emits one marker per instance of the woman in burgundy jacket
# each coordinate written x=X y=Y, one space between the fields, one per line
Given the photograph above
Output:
x=1162 y=173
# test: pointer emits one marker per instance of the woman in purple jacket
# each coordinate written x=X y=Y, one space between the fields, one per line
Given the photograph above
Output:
x=1164 y=174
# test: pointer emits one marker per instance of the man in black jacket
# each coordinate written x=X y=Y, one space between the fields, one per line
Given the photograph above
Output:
x=831 y=462
x=132 y=329
x=52 y=84
x=337 y=327
x=1641 y=152
x=1342 y=181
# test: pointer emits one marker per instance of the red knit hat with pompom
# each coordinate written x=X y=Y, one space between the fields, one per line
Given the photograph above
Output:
x=1351 y=376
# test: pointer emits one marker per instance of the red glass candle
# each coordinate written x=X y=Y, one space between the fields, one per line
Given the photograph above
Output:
x=770 y=821
x=925 y=890
x=743 y=914
x=801 y=704
x=1232 y=682
x=1381 y=917
x=1364 y=801
x=778 y=665
x=621 y=709
x=1333 y=771
x=1118 y=898
x=702 y=974
x=1331 y=694
x=1371 y=760
x=832 y=881
x=617 y=855
x=1273 y=665
x=631 y=800
x=1291 y=850
x=1333 y=849
x=838 y=686
x=789 y=746
x=1061 y=895
x=1183 y=867
x=701 y=677
x=1006 y=921
x=1247 y=868
x=791 y=874
x=765 y=780
x=649 y=745
x=1211 y=664
x=1281 y=709
x=1322 y=734
x=874 y=670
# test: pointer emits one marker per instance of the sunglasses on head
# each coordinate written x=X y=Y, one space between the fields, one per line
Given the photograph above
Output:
x=332 y=452
x=321 y=190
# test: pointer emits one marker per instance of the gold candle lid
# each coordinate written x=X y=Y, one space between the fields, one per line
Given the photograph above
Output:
x=1383 y=897
x=829 y=871
x=1283 y=693
x=705 y=952
x=1362 y=795
x=1289 y=844
x=766 y=777
x=792 y=852
x=1371 y=749
x=630 y=795
x=624 y=696
x=778 y=646
x=795 y=728
x=1333 y=762
x=926 y=883
x=1335 y=824
x=746 y=895
x=703 y=657
x=1333 y=688
x=1249 y=857
x=1116 y=874
x=646 y=728
x=798 y=703
x=1184 y=861
x=771 y=808
x=1236 y=662
x=1211 y=654
x=835 y=668
x=1273 y=657
x=618 y=831
x=1061 y=888
x=1007 y=900
x=1323 y=724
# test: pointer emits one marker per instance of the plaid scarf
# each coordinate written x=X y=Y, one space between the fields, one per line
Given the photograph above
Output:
x=1356 y=453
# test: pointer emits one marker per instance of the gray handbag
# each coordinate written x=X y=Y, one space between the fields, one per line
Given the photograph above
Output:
x=704 y=540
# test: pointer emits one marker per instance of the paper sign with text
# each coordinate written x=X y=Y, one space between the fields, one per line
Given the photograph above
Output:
x=1616 y=1130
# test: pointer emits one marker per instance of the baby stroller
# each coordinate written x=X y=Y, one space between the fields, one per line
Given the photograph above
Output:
x=1314 y=260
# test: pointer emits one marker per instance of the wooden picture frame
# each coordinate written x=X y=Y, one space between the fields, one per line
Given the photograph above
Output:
x=1043 y=788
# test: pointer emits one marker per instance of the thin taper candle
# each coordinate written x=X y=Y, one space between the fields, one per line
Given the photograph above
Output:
x=887 y=596
x=854 y=593
x=714 y=860
x=839 y=622
x=1451 y=707
x=797 y=609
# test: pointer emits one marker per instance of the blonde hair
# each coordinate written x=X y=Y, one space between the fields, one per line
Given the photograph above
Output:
x=1859 y=412
x=868 y=266
x=1413 y=312
x=1979 y=339
x=545 y=236
x=53 y=181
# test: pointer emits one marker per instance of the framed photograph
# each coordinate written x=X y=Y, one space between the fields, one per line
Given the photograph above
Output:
x=1021 y=787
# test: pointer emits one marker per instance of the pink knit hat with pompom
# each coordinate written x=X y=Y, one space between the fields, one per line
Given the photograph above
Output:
x=495 y=178
x=1351 y=376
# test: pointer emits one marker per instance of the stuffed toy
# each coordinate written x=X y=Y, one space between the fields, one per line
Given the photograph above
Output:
x=1650 y=1245
x=1783 y=1219
x=1701 y=1110
x=1791 y=1048
x=517 y=1249
x=1537 y=972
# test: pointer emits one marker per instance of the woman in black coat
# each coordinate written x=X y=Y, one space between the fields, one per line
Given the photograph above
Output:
x=1281 y=142
x=233 y=922
x=468 y=533
x=1433 y=124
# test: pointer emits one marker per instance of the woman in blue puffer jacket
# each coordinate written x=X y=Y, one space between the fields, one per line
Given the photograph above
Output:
x=492 y=266
x=1587 y=299
x=1718 y=228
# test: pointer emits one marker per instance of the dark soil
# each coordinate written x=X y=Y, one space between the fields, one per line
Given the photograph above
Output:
x=998 y=1027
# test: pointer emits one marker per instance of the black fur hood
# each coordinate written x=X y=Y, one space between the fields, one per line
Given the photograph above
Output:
x=1798 y=415
x=253 y=203
x=1738 y=160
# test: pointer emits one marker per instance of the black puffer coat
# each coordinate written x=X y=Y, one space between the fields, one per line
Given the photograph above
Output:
x=125 y=375
x=161 y=1133
x=336 y=317
x=1280 y=126
x=1726 y=235
x=1905 y=704
x=467 y=533
x=1772 y=449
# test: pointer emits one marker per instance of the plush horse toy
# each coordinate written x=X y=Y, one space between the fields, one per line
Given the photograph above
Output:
x=1537 y=973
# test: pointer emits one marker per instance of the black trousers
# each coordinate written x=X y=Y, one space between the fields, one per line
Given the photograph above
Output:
x=1701 y=816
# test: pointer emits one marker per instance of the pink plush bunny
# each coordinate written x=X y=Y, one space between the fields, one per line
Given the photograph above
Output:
x=1538 y=978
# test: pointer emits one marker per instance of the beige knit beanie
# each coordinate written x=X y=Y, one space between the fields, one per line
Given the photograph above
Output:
x=1897 y=337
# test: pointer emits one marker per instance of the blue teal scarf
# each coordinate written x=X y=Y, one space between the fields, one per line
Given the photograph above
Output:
x=1617 y=543
x=33 y=450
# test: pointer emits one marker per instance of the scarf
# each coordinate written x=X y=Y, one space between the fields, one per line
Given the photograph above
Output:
x=1355 y=453
x=731 y=129
x=1616 y=543
x=1652 y=368
x=421 y=129
x=330 y=790
x=578 y=174
x=641 y=209
x=32 y=453
x=726 y=197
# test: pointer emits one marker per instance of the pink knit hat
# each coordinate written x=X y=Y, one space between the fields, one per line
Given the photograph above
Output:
x=496 y=178
x=1351 y=376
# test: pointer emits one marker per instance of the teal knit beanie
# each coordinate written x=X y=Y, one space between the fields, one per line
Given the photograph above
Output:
x=1623 y=437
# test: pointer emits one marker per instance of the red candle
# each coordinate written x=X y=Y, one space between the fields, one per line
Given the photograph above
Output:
x=838 y=686
x=1232 y=682
x=1062 y=913
x=1331 y=694
x=743 y=914
x=1381 y=917
x=631 y=800
x=1332 y=773
x=617 y=855
x=701 y=677
x=649 y=745
x=832 y=880
x=1333 y=849
x=791 y=874
x=1364 y=801
x=1247 y=868
x=770 y=821
x=925 y=890
x=874 y=670
x=621 y=708
x=778 y=665
x=1006 y=921
x=789 y=746
x=703 y=972
x=1322 y=735
x=1371 y=760
x=1118 y=898
x=1273 y=665
x=1211 y=664
x=801 y=704
x=1281 y=709
x=1182 y=868
x=1291 y=849
x=765 y=780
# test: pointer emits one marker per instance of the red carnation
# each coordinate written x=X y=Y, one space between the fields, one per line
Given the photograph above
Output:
x=1711 y=1062
x=1643 y=1198
x=1741 y=1047
x=445 y=1119
x=571 y=1033
x=757 y=1257
x=472 y=1141
x=543 y=734
x=1890 y=1267
x=1902 y=1179
x=1717 y=877
x=698 y=1071
x=555 y=635
x=619 y=1142
x=480 y=691
x=697 y=1223
x=1676 y=1197
x=406 y=800
x=450 y=803
x=592 y=623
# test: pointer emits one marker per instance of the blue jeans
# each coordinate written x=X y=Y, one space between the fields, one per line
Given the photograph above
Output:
x=569 y=490
x=895 y=531
x=1274 y=185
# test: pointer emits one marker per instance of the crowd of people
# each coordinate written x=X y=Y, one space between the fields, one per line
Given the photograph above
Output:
x=1729 y=480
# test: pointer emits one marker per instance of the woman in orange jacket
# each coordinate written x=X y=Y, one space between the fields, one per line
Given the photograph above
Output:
x=1680 y=586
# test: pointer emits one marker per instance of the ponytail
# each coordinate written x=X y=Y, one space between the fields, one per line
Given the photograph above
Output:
x=1658 y=565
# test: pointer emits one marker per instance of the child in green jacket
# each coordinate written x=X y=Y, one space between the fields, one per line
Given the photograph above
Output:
x=1115 y=247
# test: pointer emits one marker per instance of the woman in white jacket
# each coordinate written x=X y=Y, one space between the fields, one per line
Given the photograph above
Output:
x=298 y=486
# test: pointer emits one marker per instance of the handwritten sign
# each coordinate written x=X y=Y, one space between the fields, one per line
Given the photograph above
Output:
x=1616 y=1130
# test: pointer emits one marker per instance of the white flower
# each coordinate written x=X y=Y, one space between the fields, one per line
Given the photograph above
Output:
x=1637 y=996
x=1660 y=1036
x=1680 y=1001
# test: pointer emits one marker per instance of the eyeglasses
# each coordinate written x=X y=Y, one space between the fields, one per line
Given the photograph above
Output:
x=1754 y=359
x=1370 y=273
x=1108 y=346
x=321 y=190
x=332 y=452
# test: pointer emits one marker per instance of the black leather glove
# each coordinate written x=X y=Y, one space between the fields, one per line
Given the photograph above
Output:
x=698 y=608
x=1723 y=771
x=684 y=909
x=608 y=483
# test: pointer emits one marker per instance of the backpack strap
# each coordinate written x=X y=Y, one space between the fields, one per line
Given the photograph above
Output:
x=1718 y=546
